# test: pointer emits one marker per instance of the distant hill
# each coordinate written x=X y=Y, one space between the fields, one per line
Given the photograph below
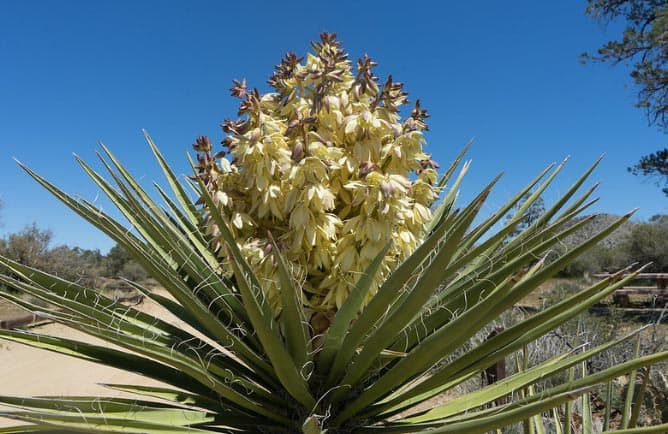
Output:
x=598 y=223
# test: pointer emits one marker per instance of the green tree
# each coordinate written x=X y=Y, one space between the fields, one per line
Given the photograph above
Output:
x=119 y=263
x=530 y=209
x=115 y=260
x=648 y=242
x=74 y=263
x=642 y=243
x=654 y=165
x=643 y=45
x=32 y=247
x=28 y=247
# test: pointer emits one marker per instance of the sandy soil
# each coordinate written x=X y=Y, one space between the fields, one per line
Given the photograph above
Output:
x=26 y=371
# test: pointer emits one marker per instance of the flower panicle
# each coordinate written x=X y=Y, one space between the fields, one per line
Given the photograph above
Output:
x=327 y=167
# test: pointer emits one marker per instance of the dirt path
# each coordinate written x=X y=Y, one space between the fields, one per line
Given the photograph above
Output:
x=26 y=371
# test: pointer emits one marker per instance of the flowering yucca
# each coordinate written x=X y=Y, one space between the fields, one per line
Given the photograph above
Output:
x=323 y=205
x=326 y=167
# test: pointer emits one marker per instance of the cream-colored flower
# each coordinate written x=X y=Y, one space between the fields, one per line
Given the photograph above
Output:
x=327 y=166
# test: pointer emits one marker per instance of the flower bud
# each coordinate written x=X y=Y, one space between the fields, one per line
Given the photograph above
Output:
x=202 y=144
x=298 y=151
x=366 y=167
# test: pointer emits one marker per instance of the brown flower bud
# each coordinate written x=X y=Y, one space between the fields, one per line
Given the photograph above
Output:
x=429 y=163
x=202 y=144
x=298 y=151
x=292 y=125
x=239 y=88
x=366 y=167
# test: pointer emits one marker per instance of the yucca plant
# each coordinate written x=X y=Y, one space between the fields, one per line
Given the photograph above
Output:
x=324 y=289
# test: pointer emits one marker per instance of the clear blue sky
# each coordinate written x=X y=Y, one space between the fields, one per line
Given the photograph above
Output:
x=507 y=73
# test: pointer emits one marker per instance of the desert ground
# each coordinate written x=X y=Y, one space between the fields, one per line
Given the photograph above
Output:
x=26 y=371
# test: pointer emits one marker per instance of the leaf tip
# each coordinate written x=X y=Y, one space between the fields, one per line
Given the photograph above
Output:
x=629 y=214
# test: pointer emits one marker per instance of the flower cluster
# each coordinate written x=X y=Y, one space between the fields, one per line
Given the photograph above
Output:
x=325 y=166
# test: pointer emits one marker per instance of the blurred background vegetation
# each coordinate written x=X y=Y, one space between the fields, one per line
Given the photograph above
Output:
x=32 y=246
x=636 y=242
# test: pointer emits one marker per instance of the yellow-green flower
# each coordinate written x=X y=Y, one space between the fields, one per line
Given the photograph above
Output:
x=326 y=167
